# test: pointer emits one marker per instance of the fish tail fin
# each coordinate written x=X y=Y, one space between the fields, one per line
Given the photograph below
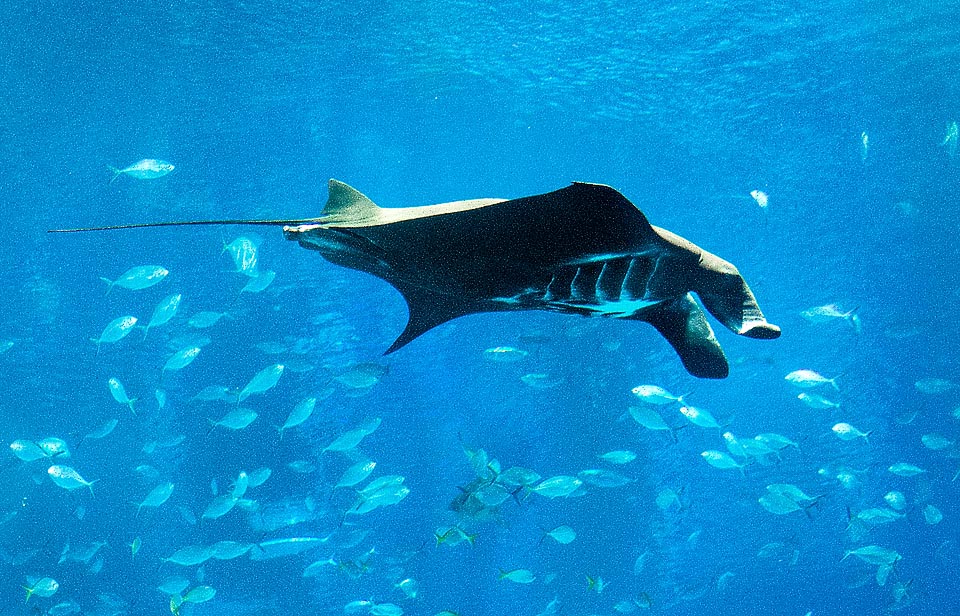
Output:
x=116 y=173
x=130 y=404
x=724 y=425
x=29 y=593
x=814 y=502
x=213 y=426
x=850 y=520
x=280 y=430
x=833 y=382
x=90 y=486
x=853 y=318
x=110 y=284
x=866 y=436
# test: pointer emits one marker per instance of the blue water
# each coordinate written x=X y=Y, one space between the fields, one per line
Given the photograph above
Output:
x=684 y=108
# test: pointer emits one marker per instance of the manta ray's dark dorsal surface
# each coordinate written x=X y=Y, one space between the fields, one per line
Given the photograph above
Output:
x=584 y=249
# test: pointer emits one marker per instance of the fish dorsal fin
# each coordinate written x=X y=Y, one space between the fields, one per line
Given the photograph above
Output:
x=346 y=204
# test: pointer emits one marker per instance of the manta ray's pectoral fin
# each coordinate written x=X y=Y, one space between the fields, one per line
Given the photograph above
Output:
x=685 y=327
x=426 y=310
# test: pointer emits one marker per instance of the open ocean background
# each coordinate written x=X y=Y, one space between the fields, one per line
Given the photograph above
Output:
x=684 y=107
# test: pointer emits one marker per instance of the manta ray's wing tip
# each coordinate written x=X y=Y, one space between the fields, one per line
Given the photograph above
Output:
x=712 y=371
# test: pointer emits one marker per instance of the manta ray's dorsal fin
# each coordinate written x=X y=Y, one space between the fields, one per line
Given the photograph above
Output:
x=348 y=205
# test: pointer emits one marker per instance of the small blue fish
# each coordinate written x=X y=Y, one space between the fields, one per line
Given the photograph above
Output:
x=259 y=283
x=44 y=587
x=103 y=431
x=157 y=496
x=243 y=251
x=561 y=534
x=165 y=310
x=264 y=380
x=120 y=394
x=68 y=478
x=181 y=359
x=146 y=169
x=115 y=330
x=237 y=419
x=299 y=414
x=136 y=278
x=203 y=320
x=950 y=141
x=718 y=459
x=54 y=447
x=28 y=451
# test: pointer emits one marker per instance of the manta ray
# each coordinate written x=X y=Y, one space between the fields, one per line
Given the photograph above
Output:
x=584 y=249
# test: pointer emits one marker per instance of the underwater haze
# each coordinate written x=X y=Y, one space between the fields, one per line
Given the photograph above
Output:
x=245 y=447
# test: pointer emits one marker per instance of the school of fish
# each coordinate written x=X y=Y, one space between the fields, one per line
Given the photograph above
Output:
x=325 y=532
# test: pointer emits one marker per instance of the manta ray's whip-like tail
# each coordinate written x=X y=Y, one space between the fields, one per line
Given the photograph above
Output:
x=187 y=223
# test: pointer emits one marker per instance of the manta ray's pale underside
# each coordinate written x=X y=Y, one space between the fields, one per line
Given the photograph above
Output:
x=584 y=249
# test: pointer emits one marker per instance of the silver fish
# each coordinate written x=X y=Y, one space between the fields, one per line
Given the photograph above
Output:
x=146 y=169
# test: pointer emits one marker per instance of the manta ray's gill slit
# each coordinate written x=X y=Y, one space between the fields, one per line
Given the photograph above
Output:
x=584 y=286
x=598 y=291
x=576 y=293
x=549 y=293
x=610 y=281
x=559 y=287
x=635 y=280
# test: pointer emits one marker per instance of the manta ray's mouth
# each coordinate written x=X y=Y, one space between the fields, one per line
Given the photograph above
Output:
x=340 y=246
